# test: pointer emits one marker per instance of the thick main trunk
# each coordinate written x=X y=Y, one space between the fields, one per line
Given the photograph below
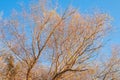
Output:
x=28 y=74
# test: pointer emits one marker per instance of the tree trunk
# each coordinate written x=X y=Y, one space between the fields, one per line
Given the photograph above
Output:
x=28 y=74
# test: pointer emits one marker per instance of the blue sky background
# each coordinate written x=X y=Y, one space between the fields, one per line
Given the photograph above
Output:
x=112 y=7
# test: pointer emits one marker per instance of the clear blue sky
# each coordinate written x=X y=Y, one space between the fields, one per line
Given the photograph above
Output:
x=109 y=6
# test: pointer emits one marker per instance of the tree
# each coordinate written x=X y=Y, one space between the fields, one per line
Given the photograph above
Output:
x=70 y=39
x=109 y=70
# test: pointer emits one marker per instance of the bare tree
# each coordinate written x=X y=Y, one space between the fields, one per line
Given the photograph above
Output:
x=109 y=70
x=70 y=39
